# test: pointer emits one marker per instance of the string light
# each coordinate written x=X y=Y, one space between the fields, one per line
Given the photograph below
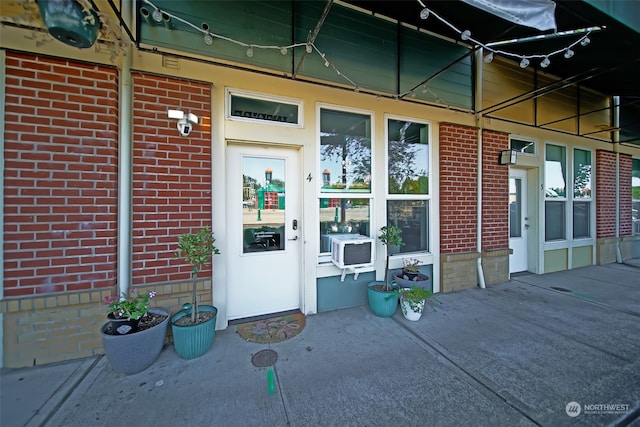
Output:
x=525 y=60
x=160 y=16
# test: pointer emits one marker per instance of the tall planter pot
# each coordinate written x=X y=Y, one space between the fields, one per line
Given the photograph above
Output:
x=135 y=352
x=381 y=303
x=192 y=341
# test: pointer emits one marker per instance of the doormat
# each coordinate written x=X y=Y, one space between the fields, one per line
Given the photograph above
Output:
x=272 y=330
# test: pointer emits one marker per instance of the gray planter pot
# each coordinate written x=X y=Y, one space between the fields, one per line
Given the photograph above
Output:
x=422 y=281
x=133 y=353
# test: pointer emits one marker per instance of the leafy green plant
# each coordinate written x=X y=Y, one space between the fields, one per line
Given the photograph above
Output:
x=390 y=235
x=196 y=249
x=131 y=305
x=412 y=265
x=415 y=295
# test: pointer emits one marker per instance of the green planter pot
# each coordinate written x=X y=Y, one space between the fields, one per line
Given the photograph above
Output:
x=382 y=304
x=193 y=341
x=135 y=352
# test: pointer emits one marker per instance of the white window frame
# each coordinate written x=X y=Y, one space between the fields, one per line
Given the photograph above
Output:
x=324 y=258
x=591 y=198
x=534 y=142
x=427 y=197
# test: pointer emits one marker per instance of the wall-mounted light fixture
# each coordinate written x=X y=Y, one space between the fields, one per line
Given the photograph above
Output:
x=508 y=157
x=185 y=121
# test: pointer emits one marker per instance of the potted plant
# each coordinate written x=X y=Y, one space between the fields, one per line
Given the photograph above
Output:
x=194 y=327
x=134 y=335
x=410 y=275
x=413 y=300
x=382 y=297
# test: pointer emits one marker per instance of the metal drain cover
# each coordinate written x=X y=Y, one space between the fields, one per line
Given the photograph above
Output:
x=264 y=358
x=557 y=288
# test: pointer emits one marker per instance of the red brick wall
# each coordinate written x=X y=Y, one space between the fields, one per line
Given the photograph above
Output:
x=458 y=188
x=495 y=192
x=171 y=174
x=606 y=194
x=625 y=195
x=61 y=134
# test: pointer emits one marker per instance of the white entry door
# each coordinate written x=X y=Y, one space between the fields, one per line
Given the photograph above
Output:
x=264 y=230
x=518 y=220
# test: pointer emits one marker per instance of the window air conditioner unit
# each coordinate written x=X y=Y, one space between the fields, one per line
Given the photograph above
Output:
x=352 y=251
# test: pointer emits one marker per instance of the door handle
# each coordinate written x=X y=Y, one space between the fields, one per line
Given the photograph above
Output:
x=526 y=226
x=294 y=238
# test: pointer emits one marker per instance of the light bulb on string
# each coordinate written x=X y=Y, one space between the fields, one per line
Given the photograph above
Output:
x=466 y=34
x=524 y=63
x=308 y=48
x=545 y=62
x=283 y=50
x=585 y=41
x=568 y=53
x=250 y=52
x=208 y=39
x=424 y=13
x=157 y=15
x=488 y=57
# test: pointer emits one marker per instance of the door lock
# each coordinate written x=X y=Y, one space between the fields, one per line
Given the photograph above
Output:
x=294 y=224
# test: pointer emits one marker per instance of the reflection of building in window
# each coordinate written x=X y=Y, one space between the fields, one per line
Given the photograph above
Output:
x=271 y=197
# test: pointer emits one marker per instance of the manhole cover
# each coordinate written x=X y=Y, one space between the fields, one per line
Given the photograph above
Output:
x=264 y=358
x=557 y=288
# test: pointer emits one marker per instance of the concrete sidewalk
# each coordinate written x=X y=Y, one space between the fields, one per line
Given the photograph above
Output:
x=515 y=354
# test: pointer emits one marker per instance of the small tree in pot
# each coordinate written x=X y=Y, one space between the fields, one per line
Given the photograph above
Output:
x=382 y=298
x=193 y=327
x=196 y=249
x=391 y=237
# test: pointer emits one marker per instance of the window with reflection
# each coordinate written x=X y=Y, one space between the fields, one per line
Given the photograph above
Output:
x=263 y=203
x=523 y=146
x=343 y=216
x=408 y=165
x=345 y=152
x=581 y=193
x=555 y=192
x=345 y=171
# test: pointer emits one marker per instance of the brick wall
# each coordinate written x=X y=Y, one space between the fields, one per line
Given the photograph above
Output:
x=626 y=220
x=171 y=174
x=605 y=194
x=495 y=192
x=61 y=157
x=60 y=175
x=458 y=188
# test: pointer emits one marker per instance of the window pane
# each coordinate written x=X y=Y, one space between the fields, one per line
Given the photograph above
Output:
x=408 y=156
x=581 y=174
x=263 y=202
x=342 y=216
x=554 y=221
x=555 y=171
x=581 y=219
x=515 y=207
x=345 y=152
x=412 y=216
x=260 y=109
x=523 y=146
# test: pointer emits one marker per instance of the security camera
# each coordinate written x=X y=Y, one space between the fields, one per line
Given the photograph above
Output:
x=185 y=121
x=184 y=127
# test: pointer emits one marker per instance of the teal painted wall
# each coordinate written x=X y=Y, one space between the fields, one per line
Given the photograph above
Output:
x=333 y=294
